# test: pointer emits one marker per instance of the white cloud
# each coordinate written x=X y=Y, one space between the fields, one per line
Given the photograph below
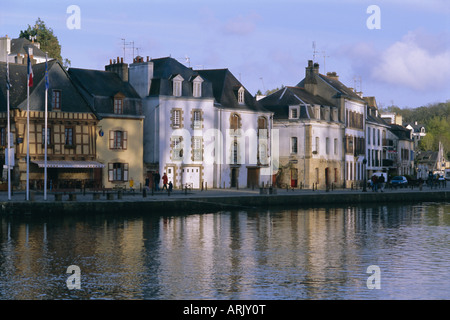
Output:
x=414 y=62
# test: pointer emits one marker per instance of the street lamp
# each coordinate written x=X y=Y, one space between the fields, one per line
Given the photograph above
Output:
x=365 y=175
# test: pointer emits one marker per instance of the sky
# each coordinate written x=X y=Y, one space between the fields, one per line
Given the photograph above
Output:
x=399 y=53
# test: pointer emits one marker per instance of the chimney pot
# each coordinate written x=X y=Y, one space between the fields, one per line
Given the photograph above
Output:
x=110 y=61
x=148 y=59
x=121 y=60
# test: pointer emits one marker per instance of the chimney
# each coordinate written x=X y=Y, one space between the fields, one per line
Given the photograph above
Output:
x=5 y=47
x=141 y=75
x=333 y=76
x=119 y=67
x=310 y=78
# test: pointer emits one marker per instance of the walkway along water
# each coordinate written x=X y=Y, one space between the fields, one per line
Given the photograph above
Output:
x=183 y=201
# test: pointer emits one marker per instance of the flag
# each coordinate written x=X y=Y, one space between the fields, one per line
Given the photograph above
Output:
x=46 y=74
x=8 y=83
x=30 y=73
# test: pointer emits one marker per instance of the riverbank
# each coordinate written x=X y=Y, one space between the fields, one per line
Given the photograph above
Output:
x=208 y=201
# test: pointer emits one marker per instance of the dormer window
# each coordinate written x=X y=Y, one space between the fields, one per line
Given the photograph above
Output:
x=241 y=95
x=197 y=87
x=118 y=106
x=177 y=85
x=294 y=112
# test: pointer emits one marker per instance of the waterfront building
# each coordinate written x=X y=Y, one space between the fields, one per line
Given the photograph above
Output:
x=119 y=133
x=247 y=149
x=351 y=112
x=402 y=151
x=379 y=154
x=311 y=139
x=71 y=131
x=188 y=115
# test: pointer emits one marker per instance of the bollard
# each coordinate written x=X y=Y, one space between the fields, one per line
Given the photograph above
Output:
x=206 y=186
x=144 y=193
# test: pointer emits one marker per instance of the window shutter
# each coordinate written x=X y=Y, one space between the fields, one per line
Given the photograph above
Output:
x=111 y=139
x=125 y=172
x=124 y=140
x=110 y=172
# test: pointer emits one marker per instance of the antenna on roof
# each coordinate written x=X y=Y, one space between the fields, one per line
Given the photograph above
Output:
x=264 y=87
x=314 y=51
x=324 y=58
x=357 y=79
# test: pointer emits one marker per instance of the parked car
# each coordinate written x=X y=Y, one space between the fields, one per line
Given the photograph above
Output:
x=399 y=181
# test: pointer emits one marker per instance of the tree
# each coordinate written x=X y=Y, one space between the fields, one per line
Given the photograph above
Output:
x=48 y=41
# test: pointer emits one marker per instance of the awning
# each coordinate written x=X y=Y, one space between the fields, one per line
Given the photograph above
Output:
x=69 y=164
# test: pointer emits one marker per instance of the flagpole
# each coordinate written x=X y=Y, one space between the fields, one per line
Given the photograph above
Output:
x=8 y=130
x=28 y=129
x=46 y=138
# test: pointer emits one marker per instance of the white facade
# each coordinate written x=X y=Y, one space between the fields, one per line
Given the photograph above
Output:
x=187 y=133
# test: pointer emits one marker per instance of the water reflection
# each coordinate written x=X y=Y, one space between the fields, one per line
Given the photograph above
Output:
x=314 y=253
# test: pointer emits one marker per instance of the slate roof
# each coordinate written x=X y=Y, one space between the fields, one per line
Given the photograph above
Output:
x=279 y=102
x=21 y=45
x=400 y=131
x=225 y=89
x=165 y=69
x=72 y=100
x=339 y=87
x=100 y=87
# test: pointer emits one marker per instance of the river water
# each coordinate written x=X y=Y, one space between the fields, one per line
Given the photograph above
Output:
x=355 y=252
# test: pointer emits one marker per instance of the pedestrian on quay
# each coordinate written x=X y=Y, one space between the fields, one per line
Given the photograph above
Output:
x=165 y=180
x=381 y=182
x=374 y=183
x=170 y=186
x=156 y=179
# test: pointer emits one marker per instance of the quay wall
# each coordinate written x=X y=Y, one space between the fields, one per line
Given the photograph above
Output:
x=217 y=203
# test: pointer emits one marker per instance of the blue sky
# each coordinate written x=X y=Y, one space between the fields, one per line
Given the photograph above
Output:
x=265 y=44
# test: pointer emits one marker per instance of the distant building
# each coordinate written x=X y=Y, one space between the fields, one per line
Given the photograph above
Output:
x=17 y=50
x=402 y=150
x=418 y=132
x=378 y=145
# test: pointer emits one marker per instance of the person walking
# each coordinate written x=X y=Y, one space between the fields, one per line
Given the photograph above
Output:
x=156 y=178
x=165 y=180
x=374 y=183
x=381 y=182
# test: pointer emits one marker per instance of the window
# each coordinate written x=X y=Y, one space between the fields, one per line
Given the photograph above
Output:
x=327 y=145
x=317 y=145
x=197 y=92
x=68 y=136
x=294 y=145
x=176 y=118
x=48 y=136
x=235 y=121
x=197 y=119
x=177 y=150
x=56 y=99
x=241 y=96
x=335 y=146
x=118 y=106
x=177 y=86
x=197 y=149
x=235 y=152
x=368 y=135
x=3 y=141
x=118 y=171
x=118 y=140
x=293 y=112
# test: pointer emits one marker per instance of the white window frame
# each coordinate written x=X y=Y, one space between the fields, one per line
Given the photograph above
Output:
x=294 y=112
x=241 y=92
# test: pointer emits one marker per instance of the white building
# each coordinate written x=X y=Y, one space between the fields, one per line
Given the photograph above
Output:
x=17 y=50
x=378 y=141
x=187 y=115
